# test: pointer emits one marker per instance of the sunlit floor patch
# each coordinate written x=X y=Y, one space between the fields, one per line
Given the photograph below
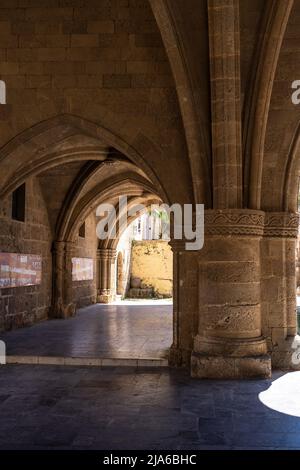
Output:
x=138 y=302
x=284 y=394
x=124 y=331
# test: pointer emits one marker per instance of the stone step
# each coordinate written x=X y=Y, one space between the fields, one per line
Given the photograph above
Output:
x=138 y=293
x=88 y=361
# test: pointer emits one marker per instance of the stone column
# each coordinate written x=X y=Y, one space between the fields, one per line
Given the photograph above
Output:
x=62 y=305
x=98 y=272
x=229 y=342
x=185 y=306
x=112 y=287
x=298 y=261
x=106 y=293
x=58 y=253
x=103 y=257
x=103 y=275
x=224 y=55
x=278 y=286
x=111 y=260
x=68 y=283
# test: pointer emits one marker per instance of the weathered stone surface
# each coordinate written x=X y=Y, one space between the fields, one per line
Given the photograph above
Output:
x=24 y=306
x=151 y=262
x=229 y=368
x=189 y=102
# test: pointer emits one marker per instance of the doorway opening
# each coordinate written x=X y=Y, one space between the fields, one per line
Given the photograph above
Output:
x=144 y=258
x=136 y=286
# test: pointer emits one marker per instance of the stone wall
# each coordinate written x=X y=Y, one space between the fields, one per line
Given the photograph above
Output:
x=103 y=61
x=151 y=261
x=21 y=306
x=84 y=292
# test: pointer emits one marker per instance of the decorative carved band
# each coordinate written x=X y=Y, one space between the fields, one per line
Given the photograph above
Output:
x=281 y=224
x=246 y=222
x=251 y=222
x=234 y=222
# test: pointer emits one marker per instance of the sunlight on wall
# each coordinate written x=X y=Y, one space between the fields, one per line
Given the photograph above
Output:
x=2 y=92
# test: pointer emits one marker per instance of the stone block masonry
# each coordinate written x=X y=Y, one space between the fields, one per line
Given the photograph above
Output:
x=151 y=262
x=84 y=292
x=21 y=306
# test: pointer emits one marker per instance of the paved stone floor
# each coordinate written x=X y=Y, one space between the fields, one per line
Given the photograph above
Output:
x=58 y=407
x=130 y=329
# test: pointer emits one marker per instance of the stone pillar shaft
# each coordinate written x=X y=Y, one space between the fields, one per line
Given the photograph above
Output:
x=224 y=49
x=98 y=271
x=103 y=278
x=62 y=304
x=185 y=308
x=278 y=286
x=229 y=342
x=69 y=252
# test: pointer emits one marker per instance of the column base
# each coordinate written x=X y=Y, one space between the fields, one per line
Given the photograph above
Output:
x=230 y=358
x=61 y=310
x=105 y=298
x=179 y=357
x=235 y=347
x=221 y=367
x=286 y=354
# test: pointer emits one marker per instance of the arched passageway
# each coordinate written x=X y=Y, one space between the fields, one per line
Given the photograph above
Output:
x=147 y=111
x=78 y=268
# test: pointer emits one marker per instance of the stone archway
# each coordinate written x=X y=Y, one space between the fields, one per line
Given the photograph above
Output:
x=89 y=187
x=38 y=148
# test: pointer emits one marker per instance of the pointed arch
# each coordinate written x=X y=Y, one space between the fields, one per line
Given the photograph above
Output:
x=28 y=152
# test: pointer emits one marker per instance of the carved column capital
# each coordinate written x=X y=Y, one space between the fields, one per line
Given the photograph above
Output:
x=177 y=246
x=58 y=247
x=112 y=253
x=61 y=247
x=106 y=253
x=102 y=253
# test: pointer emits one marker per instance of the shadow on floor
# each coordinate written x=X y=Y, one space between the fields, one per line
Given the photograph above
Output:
x=90 y=408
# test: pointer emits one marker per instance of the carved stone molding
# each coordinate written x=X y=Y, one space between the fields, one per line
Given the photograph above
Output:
x=251 y=222
x=106 y=253
x=58 y=247
x=234 y=222
x=281 y=224
x=61 y=247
